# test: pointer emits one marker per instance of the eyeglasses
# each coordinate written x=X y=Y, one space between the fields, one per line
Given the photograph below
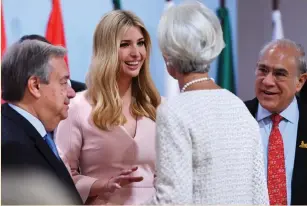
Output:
x=279 y=74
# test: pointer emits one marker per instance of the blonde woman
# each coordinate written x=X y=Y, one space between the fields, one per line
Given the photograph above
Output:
x=108 y=139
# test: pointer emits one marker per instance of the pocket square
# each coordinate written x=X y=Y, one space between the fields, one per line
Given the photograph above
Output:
x=303 y=145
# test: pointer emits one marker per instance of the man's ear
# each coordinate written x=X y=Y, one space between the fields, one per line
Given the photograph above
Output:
x=34 y=86
x=301 y=82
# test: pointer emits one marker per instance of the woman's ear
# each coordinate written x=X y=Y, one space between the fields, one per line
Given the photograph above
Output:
x=170 y=69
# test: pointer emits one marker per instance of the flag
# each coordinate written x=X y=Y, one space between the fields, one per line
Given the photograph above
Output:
x=55 y=29
x=171 y=84
x=278 y=32
x=3 y=38
x=225 y=68
x=168 y=4
x=116 y=4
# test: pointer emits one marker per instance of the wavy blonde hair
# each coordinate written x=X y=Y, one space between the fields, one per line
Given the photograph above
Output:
x=103 y=90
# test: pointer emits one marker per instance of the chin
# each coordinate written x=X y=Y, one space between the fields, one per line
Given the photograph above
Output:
x=64 y=115
x=268 y=105
x=132 y=74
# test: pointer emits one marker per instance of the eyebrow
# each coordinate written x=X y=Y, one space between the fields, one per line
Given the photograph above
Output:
x=281 y=70
x=65 y=77
x=126 y=40
x=278 y=69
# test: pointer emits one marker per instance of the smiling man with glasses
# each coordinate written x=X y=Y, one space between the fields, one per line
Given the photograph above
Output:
x=280 y=74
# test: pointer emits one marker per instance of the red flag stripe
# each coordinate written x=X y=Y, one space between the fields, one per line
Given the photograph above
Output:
x=55 y=28
x=3 y=38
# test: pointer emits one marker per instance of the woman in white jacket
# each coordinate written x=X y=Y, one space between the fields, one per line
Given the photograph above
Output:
x=208 y=145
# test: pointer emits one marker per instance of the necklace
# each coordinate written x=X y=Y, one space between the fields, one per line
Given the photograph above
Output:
x=195 y=81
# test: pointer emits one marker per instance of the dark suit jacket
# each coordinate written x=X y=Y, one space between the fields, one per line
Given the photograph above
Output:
x=24 y=149
x=303 y=93
x=78 y=86
x=299 y=177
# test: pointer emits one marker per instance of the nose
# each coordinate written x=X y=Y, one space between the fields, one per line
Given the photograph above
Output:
x=70 y=92
x=134 y=51
x=269 y=80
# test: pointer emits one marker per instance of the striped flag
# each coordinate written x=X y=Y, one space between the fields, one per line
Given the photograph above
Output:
x=116 y=4
x=3 y=38
x=55 y=29
x=278 y=32
x=171 y=84
x=225 y=69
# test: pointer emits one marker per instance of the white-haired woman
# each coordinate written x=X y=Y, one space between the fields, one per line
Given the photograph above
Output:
x=208 y=145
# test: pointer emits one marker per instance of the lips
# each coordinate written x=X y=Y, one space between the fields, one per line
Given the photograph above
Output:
x=66 y=102
x=269 y=92
x=133 y=65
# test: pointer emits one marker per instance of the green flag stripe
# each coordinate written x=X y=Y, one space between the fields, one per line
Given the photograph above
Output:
x=116 y=4
x=225 y=69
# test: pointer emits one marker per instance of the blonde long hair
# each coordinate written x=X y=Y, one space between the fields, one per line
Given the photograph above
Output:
x=103 y=90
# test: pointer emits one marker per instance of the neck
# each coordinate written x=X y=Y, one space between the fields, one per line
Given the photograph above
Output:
x=125 y=90
x=27 y=106
x=185 y=78
x=37 y=110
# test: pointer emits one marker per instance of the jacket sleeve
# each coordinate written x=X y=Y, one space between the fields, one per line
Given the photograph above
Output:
x=174 y=160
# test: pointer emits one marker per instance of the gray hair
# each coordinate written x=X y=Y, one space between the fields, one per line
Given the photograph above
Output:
x=287 y=43
x=190 y=36
x=23 y=60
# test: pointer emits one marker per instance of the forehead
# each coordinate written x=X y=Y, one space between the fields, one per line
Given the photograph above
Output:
x=59 y=67
x=281 y=57
x=133 y=32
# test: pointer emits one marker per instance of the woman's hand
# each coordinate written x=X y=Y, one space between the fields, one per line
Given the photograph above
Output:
x=122 y=180
x=115 y=182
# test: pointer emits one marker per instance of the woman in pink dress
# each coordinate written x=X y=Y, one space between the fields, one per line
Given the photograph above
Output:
x=108 y=140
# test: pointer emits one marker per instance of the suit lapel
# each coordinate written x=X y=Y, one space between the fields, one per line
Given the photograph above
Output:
x=252 y=106
x=40 y=144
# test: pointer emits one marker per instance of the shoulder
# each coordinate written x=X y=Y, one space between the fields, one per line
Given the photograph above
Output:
x=163 y=99
x=251 y=102
x=79 y=99
x=252 y=105
x=78 y=86
x=302 y=107
x=170 y=112
x=80 y=104
x=303 y=93
x=11 y=132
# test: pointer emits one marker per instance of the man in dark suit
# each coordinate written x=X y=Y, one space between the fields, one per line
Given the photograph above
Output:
x=282 y=117
x=34 y=83
x=77 y=86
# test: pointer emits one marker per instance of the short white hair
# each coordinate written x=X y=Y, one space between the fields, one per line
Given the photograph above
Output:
x=190 y=36
x=287 y=43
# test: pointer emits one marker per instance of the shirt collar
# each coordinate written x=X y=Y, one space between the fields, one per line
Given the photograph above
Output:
x=290 y=113
x=33 y=120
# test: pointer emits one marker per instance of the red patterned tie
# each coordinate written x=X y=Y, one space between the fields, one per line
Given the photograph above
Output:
x=276 y=165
